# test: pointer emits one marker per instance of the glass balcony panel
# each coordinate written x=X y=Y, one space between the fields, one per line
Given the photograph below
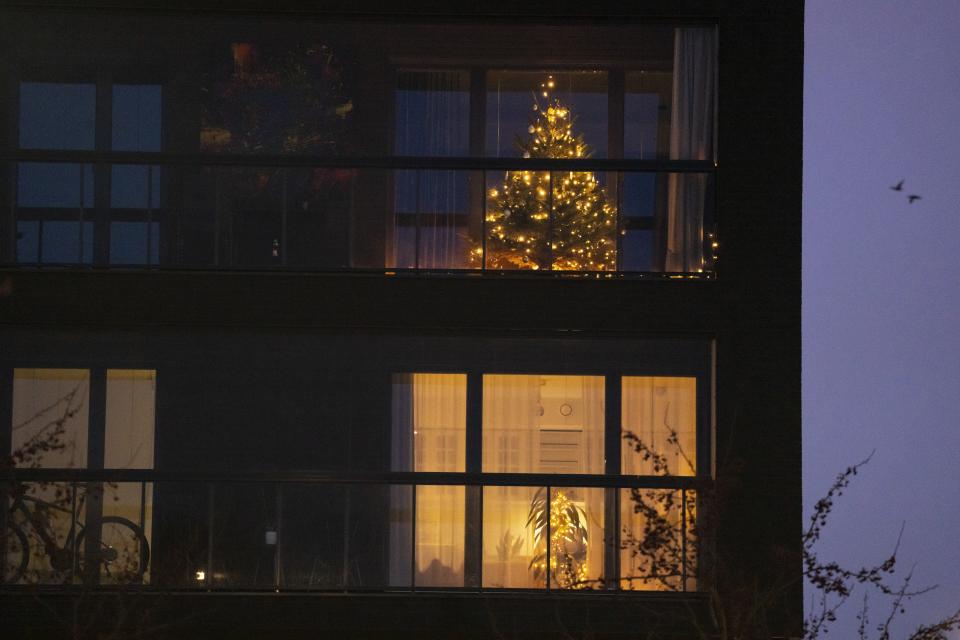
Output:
x=52 y=185
x=134 y=243
x=667 y=222
x=657 y=542
x=576 y=537
x=370 y=521
x=514 y=556
x=440 y=536
x=311 y=536
x=185 y=537
x=42 y=532
x=244 y=514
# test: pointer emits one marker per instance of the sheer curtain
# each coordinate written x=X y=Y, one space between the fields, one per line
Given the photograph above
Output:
x=691 y=138
x=429 y=434
x=432 y=206
x=652 y=407
x=538 y=424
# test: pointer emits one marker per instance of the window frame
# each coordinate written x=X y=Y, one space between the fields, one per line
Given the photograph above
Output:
x=101 y=213
x=613 y=481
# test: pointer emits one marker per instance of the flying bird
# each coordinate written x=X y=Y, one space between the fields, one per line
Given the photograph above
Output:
x=898 y=187
x=911 y=198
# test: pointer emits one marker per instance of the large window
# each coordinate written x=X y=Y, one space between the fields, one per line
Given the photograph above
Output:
x=542 y=425
x=77 y=213
x=402 y=147
x=81 y=419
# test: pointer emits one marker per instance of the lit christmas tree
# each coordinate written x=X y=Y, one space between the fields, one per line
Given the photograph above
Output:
x=537 y=223
x=568 y=539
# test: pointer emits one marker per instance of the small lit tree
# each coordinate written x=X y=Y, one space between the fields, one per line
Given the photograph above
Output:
x=565 y=524
x=562 y=221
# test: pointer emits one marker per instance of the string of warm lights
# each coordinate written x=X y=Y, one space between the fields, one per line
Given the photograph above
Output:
x=568 y=569
x=563 y=221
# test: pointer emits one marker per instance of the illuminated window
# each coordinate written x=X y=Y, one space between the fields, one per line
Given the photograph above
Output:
x=542 y=424
x=54 y=426
x=659 y=426
x=429 y=434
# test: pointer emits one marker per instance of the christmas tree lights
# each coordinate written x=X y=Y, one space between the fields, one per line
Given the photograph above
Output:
x=568 y=539
x=540 y=221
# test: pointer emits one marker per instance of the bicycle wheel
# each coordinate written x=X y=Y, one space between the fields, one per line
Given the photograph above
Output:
x=15 y=554
x=122 y=556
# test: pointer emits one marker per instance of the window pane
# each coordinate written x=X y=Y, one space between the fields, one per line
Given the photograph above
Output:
x=57 y=115
x=28 y=241
x=66 y=242
x=130 y=418
x=542 y=424
x=646 y=116
x=510 y=544
x=313 y=536
x=576 y=537
x=274 y=98
x=658 y=547
x=134 y=186
x=429 y=422
x=433 y=222
x=659 y=426
x=50 y=417
x=440 y=536
x=564 y=104
x=670 y=105
x=562 y=221
x=134 y=242
x=65 y=186
x=136 y=117
x=666 y=222
x=432 y=113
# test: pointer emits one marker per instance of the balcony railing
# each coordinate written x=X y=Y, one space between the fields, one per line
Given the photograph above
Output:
x=348 y=531
x=468 y=216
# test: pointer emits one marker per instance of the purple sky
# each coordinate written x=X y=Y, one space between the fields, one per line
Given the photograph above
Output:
x=881 y=308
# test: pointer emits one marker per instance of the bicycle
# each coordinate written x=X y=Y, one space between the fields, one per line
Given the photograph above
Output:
x=119 y=551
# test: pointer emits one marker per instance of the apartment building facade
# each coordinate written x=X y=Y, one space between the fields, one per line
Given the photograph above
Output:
x=427 y=322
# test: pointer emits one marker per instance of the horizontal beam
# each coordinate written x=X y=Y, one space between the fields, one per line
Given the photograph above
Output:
x=353 y=477
x=344 y=162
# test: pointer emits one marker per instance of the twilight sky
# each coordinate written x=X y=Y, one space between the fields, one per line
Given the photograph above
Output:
x=881 y=285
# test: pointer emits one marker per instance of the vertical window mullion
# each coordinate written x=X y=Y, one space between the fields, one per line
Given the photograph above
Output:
x=612 y=467
x=473 y=507
x=102 y=173
x=6 y=413
x=96 y=432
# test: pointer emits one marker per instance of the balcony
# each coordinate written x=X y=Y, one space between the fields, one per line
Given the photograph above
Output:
x=348 y=531
x=397 y=215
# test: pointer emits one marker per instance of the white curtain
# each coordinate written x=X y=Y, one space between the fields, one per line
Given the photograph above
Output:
x=429 y=434
x=691 y=138
x=538 y=424
x=652 y=407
